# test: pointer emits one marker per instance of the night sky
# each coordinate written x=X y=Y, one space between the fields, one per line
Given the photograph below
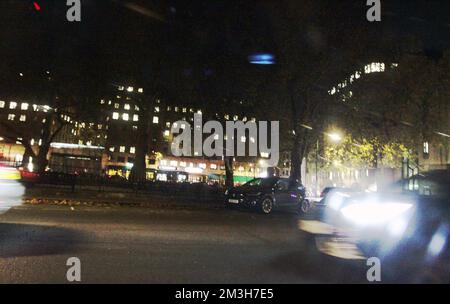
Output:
x=174 y=40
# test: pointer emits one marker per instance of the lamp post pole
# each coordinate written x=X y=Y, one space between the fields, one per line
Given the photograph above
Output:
x=317 y=165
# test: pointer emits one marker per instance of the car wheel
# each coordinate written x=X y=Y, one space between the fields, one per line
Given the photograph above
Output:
x=305 y=206
x=266 y=205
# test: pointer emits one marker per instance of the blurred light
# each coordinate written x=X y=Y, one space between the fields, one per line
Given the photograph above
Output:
x=194 y=170
x=263 y=58
x=373 y=213
x=36 y=6
x=438 y=242
x=335 y=137
x=397 y=227
x=167 y=168
x=336 y=199
x=74 y=146
x=129 y=165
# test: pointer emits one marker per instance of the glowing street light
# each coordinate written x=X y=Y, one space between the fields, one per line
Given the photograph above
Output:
x=336 y=137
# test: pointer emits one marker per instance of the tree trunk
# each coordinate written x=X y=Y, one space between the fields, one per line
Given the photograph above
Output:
x=46 y=139
x=229 y=172
x=138 y=172
x=42 y=161
x=296 y=160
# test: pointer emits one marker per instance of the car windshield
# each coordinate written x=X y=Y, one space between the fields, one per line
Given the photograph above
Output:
x=261 y=182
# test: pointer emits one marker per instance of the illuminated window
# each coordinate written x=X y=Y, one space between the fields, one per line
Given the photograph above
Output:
x=23 y=118
x=135 y=128
x=184 y=110
x=132 y=150
x=169 y=109
x=2 y=104
x=115 y=116
x=13 y=105
x=125 y=116
x=173 y=163
x=426 y=148
x=24 y=106
x=121 y=88
x=213 y=166
x=168 y=124
x=155 y=119
x=126 y=106
x=156 y=109
x=141 y=90
x=235 y=117
x=227 y=117
x=130 y=89
x=116 y=106
x=122 y=149
x=167 y=133
x=176 y=109
x=11 y=116
x=135 y=117
x=100 y=127
x=102 y=101
x=265 y=154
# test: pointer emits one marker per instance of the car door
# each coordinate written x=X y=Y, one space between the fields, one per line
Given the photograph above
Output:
x=282 y=193
x=294 y=194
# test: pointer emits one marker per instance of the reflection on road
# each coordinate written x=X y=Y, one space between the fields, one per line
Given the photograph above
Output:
x=328 y=242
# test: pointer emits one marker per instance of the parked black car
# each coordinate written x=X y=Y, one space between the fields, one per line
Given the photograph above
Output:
x=267 y=194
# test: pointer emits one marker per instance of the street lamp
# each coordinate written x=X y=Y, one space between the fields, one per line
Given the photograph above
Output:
x=335 y=137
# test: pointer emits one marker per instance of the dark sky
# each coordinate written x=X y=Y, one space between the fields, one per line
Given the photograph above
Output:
x=124 y=41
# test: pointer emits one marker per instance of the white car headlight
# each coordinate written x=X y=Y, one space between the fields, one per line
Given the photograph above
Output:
x=372 y=213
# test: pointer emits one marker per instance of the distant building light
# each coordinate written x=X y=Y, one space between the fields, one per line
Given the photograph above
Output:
x=122 y=149
x=24 y=106
x=115 y=116
x=264 y=155
x=141 y=90
x=135 y=117
x=72 y=146
x=23 y=118
x=125 y=116
x=155 y=119
x=193 y=170
x=13 y=105
x=2 y=104
x=126 y=106
x=130 y=89
x=426 y=148
x=132 y=150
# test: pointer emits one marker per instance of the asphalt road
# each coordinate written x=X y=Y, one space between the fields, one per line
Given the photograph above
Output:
x=140 y=245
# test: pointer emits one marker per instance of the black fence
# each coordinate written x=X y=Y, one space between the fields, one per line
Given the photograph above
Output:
x=91 y=182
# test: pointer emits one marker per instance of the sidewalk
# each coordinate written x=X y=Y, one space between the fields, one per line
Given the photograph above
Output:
x=115 y=197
